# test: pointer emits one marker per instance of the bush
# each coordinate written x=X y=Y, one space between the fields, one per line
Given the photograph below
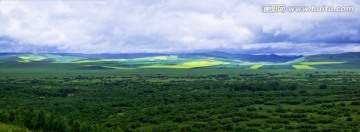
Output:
x=280 y=110
x=293 y=116
x=306 y=127
x=259 y=101
x=341 y=104
x=327 y=106
x=135 y=125
x=278 y=120
x=238 y=119
x=228 y=127
x=325 y=121
x=165 y=127
x=323 y=86
x=251 y=109
x=257 y=116
x=277 y=126
x=179 y=119
x=199 y=125
x=253 y=124
x=349 y=119
x=355 y=103
x=290 y=127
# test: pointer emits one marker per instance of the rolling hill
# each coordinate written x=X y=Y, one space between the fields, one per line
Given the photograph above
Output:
x=250 y=58
x=349 y=60
x=350 y=56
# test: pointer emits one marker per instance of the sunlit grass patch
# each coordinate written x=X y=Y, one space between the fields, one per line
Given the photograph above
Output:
x=29 y=58
x=321 y=63
x=120 y=68
x=305 y=67
x=192 y=64
x=256 y=66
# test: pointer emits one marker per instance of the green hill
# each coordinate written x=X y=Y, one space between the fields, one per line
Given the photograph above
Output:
x=348 y=60
x=194 y=60
x=350 y=56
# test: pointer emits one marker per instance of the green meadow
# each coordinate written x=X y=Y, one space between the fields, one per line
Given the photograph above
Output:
x=193 y=64
x=255 y=66
x=303 y=67
x=321 y=63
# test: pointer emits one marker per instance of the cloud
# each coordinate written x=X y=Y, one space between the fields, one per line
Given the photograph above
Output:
x=122 y=26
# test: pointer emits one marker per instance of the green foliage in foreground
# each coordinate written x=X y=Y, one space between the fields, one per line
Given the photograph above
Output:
x=267 y=101
x=41 y=120
x=11 y=128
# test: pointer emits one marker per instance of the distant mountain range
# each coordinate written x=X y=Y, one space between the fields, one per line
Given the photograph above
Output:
x=190 y=60
x=244 y=57
x=249 y=57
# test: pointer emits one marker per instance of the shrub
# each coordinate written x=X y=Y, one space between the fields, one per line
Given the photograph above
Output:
x=293 y=116
x=325 y=121
x=306 y=127
x=322 y=86
x=239 y=119
x=341 y=104
x=251 y=109
x=355 y=103
x=259 y=101
x=290 y=127
x=280 y=110
x=327 y=106
x=278 y=120
x=260 y=116
x=253 y=124
x=277 y=126
x=349 y=119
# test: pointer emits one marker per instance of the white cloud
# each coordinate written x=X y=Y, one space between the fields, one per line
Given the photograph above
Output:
x=119 y=26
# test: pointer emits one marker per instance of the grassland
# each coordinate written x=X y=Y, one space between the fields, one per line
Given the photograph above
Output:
x=321 y=63
x=303 y=67
x=97 y=60
x=175 y=61
x=194 y=64
x=255 y=67
x=29 y=58
x=26 y=58
x=119 y=68
x=155 y=58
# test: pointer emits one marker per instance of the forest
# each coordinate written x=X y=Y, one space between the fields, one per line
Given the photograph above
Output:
x=241 y=101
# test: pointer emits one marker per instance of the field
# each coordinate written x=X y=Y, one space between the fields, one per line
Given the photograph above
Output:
x=321 y=63
x=256 y=66
x=181 y=61
x=306 y=67
x=200 y=99
x=193 y=64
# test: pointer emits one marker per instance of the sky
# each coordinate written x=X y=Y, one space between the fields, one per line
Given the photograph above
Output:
x=176 y=26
